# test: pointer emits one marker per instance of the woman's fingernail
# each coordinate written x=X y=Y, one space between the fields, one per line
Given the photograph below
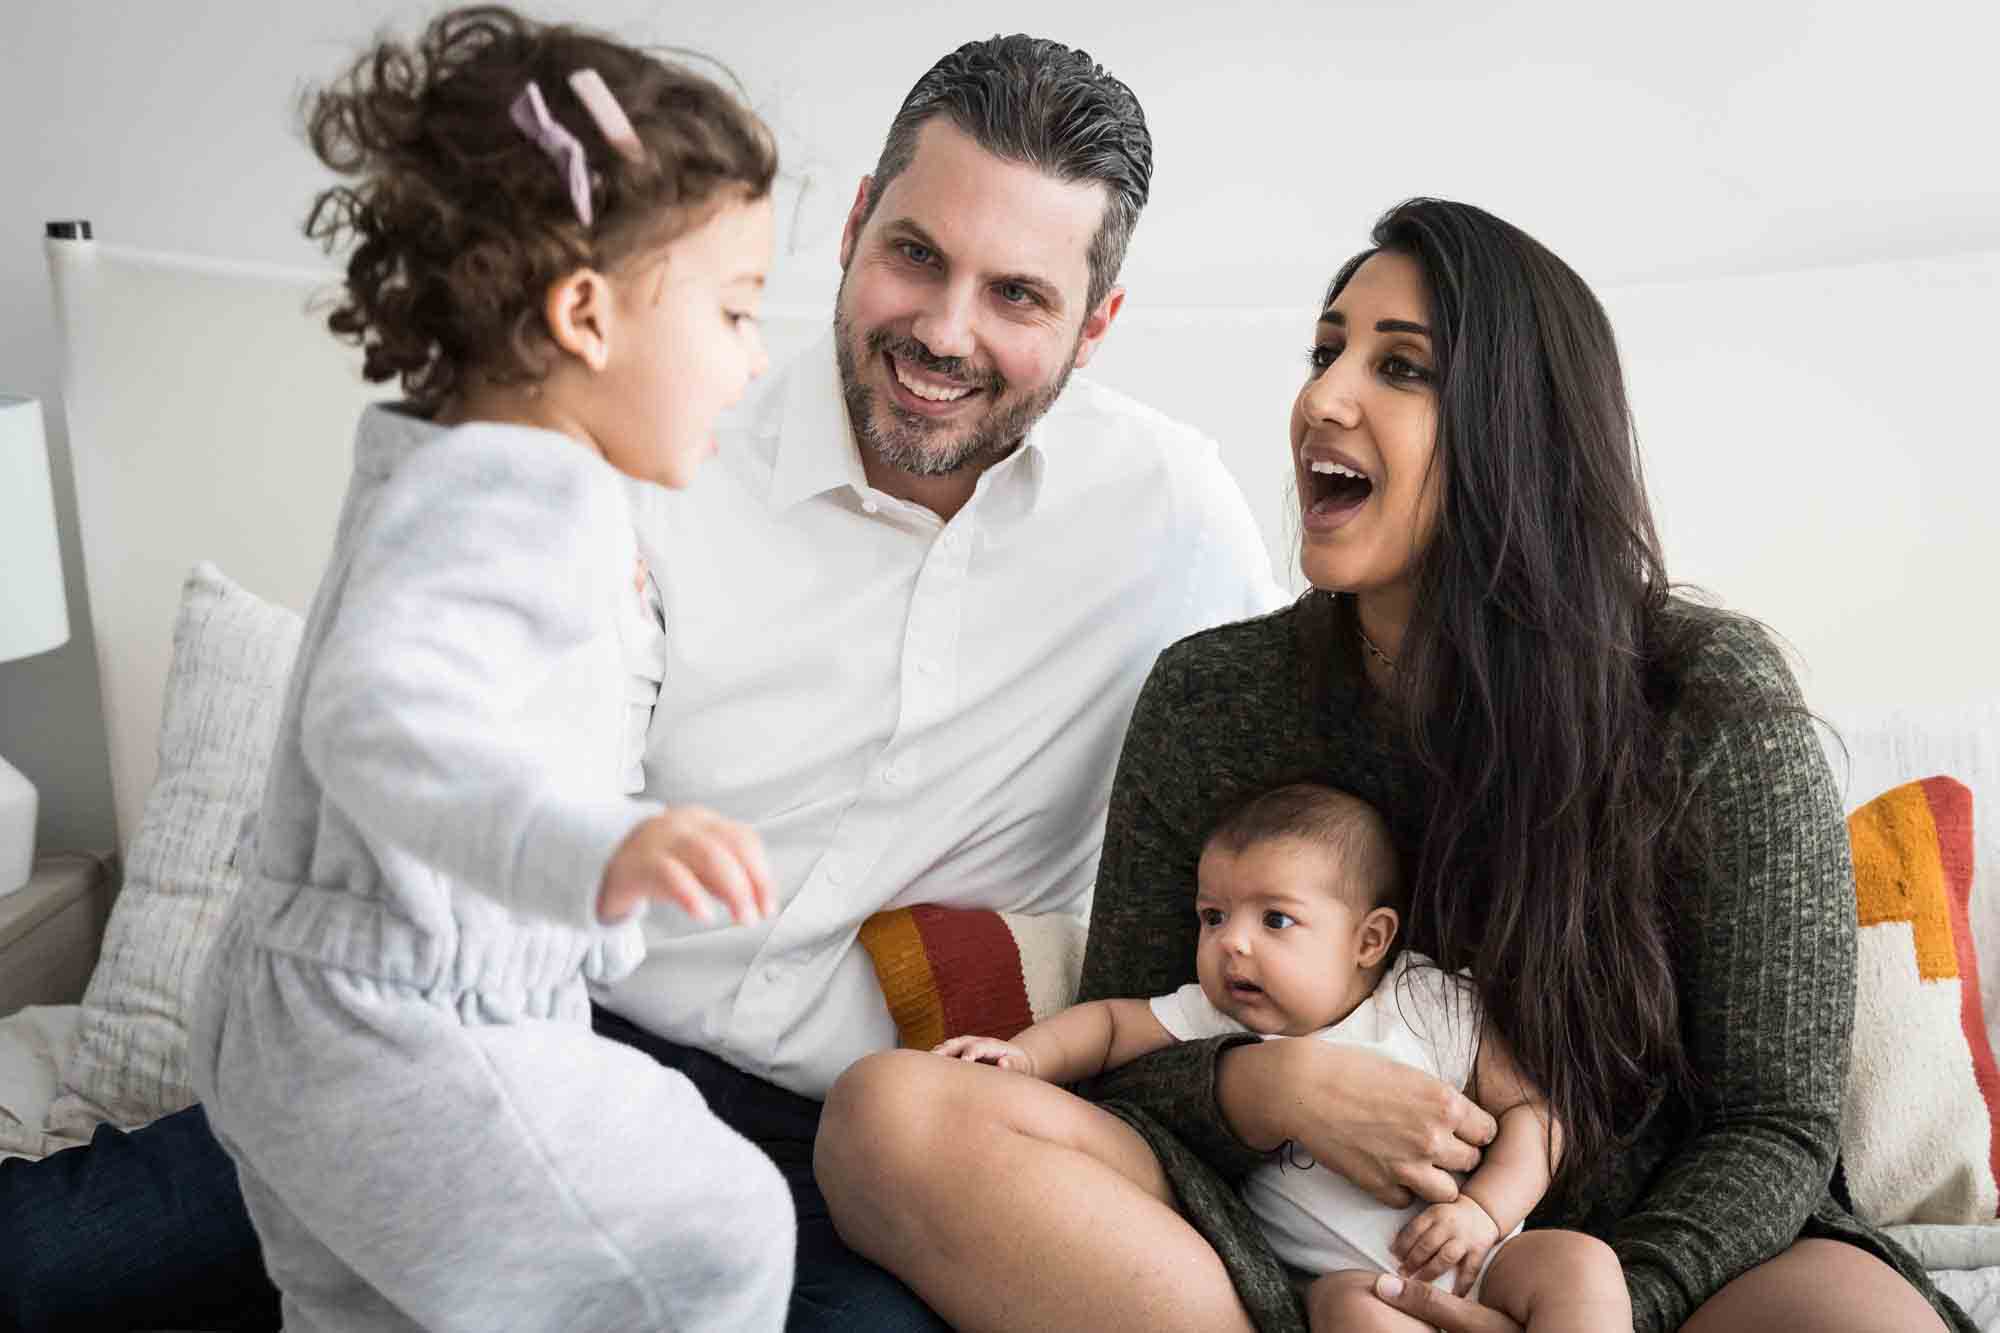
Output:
x=1388 y=1287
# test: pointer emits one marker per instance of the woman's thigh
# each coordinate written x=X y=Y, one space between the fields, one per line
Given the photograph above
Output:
x=1818 y=1286
x=916 y=1104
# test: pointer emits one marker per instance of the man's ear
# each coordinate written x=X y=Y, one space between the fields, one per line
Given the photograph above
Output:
x=850 y=231
x=1378 y=932
x=1096 y=324
x=579 y=314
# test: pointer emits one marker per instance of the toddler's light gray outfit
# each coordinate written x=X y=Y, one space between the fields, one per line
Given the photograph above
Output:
x=394 y=1040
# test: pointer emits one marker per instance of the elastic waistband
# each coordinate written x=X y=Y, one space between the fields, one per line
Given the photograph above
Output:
x=495 y=953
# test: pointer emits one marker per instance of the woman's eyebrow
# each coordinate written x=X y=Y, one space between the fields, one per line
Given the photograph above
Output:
x=1337 y=319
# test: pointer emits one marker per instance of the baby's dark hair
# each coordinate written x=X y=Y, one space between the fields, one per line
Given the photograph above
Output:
x=1345 y=825
x=460 y=223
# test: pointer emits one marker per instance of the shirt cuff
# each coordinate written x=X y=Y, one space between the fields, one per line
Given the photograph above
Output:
x=563 y=855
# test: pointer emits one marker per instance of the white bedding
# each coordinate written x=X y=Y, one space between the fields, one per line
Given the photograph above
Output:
x=32 y=1043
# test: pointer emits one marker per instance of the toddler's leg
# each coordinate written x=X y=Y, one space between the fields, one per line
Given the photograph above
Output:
x=526 y=1175
x=1558 y=1282
x=1346 y=1303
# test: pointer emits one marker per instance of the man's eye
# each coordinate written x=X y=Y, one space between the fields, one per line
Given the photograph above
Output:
x=1013 y=293
x=916 y=254
x=1278 y=920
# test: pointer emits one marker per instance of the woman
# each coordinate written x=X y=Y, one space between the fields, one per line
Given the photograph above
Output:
x=1614 y=811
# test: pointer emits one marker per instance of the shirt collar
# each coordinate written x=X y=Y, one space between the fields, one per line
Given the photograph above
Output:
x=816 y=451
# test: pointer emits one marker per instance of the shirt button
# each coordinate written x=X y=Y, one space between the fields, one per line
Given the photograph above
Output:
x=772 y=973
x=926 y=667
x=893 y=774
x=836 y=873
x=870 y=507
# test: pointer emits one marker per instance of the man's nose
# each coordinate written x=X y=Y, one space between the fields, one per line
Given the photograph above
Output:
x=944 y=325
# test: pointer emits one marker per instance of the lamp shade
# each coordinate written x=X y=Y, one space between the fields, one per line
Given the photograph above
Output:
x=33 y=618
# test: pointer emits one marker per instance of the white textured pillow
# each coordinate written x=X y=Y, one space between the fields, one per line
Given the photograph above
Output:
x=233 y=653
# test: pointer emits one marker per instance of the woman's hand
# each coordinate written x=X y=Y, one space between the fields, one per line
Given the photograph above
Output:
x=1392 y=1129
x=1440 y=1310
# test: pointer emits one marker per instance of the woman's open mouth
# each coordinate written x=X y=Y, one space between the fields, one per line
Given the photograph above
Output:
x=1335 y=493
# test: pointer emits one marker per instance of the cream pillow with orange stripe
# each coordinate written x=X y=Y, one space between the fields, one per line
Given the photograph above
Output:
x=1920 y=1127
x=958 y=971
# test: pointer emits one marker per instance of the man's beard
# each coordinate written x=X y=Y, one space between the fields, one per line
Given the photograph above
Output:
x=921 y=447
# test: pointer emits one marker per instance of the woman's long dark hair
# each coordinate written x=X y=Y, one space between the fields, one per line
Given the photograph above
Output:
x=1534 y=675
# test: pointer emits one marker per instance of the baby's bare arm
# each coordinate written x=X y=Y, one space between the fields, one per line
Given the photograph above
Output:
x=1515 y=1172
x=1087 y=1039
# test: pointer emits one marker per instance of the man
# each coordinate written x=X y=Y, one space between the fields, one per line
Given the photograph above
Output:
x=906 y=621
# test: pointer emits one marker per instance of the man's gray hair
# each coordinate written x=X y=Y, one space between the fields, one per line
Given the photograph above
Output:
x=1034 y=101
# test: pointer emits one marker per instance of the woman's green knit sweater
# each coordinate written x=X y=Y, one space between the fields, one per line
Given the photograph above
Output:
x=1716 y=1182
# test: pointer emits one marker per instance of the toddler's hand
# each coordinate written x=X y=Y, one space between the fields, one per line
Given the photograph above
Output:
x=1446 y=1235
x=988 y=1051
x=687 y=856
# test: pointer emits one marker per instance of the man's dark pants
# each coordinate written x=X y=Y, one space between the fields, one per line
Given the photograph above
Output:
x=147 y=1229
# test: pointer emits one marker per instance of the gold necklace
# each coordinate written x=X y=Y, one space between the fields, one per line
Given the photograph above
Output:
x=1373 y=651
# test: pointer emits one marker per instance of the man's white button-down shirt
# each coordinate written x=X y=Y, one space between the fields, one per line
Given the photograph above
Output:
x=908 y=710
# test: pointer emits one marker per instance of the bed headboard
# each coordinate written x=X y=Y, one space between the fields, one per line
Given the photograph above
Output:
x=210 y=417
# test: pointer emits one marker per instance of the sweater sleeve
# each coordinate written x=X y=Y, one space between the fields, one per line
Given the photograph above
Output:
x=472 y=583
x=1142 y=922
x=1767 y=965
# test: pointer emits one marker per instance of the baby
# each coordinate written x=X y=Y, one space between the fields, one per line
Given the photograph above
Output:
x=1297 y=897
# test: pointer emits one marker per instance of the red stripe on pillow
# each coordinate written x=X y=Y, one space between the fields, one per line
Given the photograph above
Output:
x=978 y=971
x=1951 y=811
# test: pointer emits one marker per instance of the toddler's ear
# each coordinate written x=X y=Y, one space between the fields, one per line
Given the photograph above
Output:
x=577 y=310
x=1378 y=932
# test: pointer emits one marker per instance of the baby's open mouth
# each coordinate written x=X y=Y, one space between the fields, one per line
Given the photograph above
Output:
x=1335 y=487
x=1238 y=986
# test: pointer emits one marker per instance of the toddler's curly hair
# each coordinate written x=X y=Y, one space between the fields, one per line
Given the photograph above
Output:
x=459 y=223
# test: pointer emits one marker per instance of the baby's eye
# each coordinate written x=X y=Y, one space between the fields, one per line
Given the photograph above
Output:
x=1278 y=920
x=1209 y=916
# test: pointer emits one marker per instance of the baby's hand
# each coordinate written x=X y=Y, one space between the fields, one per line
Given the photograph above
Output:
x=1445 y=1235
x=687 y=856
x=988 y=1051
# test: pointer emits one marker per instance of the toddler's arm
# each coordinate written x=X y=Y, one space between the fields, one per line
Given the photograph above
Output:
x=460 y=601
x=1080 y=1042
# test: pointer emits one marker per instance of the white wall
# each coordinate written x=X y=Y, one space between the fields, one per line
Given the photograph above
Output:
x=1792 y=210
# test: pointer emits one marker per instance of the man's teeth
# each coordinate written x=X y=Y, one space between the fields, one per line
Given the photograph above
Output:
x=1320 y=465
x=929 y=393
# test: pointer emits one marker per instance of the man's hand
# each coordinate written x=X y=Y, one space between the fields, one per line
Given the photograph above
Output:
x=988 y=1051
x=689 y=856
x=1441 y=1310
x=1446 y=1235
x=1392 y=1129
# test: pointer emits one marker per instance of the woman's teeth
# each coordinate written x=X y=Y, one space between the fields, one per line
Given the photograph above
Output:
x=1325 y=468
x=928 y=392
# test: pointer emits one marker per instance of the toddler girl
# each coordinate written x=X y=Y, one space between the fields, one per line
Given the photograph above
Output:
x=558 y=245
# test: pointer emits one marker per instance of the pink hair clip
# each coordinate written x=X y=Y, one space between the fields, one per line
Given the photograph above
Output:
x=612 y=123
x=531 y=114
